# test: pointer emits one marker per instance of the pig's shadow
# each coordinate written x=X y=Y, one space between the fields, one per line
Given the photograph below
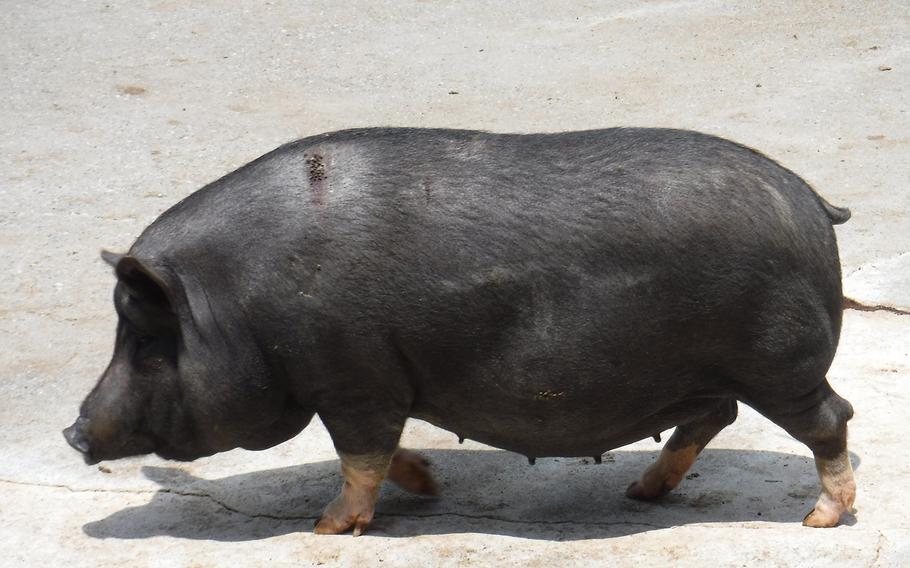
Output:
x=492 y=492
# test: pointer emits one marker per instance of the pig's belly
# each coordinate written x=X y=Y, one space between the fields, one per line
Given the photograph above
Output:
x=537 y=430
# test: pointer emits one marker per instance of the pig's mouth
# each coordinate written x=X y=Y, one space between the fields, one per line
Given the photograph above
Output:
x=139 y=445
x=93 y=452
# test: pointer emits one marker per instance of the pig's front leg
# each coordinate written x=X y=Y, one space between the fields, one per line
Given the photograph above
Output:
x=365 y=432
x=353 y=507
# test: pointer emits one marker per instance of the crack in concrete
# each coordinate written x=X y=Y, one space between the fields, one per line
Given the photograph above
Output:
x=78 y=489
x=166 y=490
x=200 y=495
x=227 y=507
x=231 y=509
x=532 y=522
x=878 y=548
x=525 y=522
x=851 y=304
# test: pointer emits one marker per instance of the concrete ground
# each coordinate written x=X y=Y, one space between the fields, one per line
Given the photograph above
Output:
x=112 y=111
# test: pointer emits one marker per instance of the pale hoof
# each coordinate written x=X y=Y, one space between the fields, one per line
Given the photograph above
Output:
x=665 y=474
x=332 y=525
x=411 y=471
x=642 y=492
x=354 y=507
x=826 y=514
x=838 y=492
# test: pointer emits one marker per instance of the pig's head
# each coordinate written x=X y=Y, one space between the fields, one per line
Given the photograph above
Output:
x=183 y=382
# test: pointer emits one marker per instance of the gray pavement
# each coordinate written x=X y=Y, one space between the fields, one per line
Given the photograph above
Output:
x=112 y=111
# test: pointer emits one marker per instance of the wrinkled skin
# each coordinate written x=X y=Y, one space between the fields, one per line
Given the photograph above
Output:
x=555 y=295
x=154 y=398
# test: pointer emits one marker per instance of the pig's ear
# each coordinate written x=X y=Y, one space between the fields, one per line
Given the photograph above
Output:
x=112 y=258
x=142 y=282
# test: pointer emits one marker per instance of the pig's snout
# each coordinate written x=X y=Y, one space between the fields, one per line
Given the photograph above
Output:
x=76 y=437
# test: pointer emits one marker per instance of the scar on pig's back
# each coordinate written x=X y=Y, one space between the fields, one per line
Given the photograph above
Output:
x=316 y=171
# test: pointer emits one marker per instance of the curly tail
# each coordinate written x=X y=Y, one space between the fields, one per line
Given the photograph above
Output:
x=837 y=215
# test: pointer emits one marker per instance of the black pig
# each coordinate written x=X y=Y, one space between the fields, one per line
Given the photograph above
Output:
x=550 y=294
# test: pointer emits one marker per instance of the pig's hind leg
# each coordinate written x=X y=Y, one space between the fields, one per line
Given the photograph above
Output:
x=819 y=420
x=793 y=341
x=411 y=471
x=678 y=455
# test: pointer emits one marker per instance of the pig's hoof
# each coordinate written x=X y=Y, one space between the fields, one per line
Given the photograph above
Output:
x=836 y=498
x=411 y=471
x=664 y=475
x=344 y=513
x=645 y=492
x=826 y=513
x=654 y=483
x=338 y=525
x=822 y=518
